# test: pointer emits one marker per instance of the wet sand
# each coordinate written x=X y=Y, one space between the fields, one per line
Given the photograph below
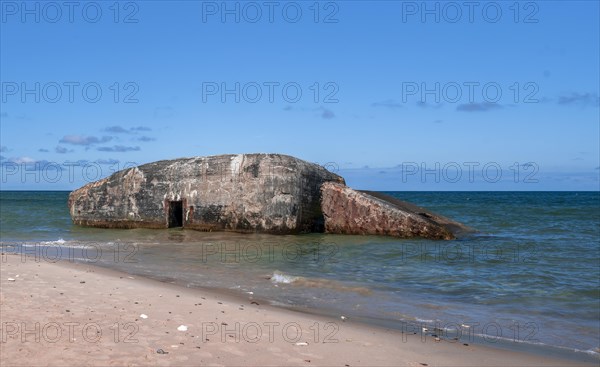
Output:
x=63 y=314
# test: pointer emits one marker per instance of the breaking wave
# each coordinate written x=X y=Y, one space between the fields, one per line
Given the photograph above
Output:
x=282 y=278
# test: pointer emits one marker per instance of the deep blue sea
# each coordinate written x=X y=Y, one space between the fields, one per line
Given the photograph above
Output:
x=529 y=277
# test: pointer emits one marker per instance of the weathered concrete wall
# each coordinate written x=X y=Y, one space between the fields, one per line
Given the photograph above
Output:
x=269 y=193
x=348 y=211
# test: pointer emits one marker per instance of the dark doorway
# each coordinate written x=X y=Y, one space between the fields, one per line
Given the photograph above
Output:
x=175 y=214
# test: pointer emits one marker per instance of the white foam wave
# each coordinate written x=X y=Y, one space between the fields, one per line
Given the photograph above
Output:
x=279 y=277
x=60 y=241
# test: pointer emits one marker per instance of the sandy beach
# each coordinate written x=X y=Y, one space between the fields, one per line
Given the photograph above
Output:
x=67 y=314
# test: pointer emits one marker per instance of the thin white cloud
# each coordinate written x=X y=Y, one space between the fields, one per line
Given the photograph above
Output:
x=118 y=148
x=580 y=99
x=84 y=140
x=390 y=103
x=62 y=150
x=478 y=107
x=116 y=130
x=108 y=161
x=326 y=113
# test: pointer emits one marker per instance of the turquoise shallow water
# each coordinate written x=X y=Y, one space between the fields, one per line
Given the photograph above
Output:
x=529 y=276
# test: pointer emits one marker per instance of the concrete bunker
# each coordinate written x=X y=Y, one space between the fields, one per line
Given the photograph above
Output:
x=246 y=193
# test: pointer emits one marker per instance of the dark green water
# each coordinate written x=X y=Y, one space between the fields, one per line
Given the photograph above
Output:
x=529 y=276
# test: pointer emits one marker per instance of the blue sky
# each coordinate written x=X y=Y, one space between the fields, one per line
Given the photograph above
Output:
x=394 y=95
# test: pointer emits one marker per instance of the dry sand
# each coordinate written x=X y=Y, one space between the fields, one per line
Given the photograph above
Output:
x=66 y=314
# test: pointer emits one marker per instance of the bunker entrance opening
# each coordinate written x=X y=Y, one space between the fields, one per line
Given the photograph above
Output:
x=175 y=214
